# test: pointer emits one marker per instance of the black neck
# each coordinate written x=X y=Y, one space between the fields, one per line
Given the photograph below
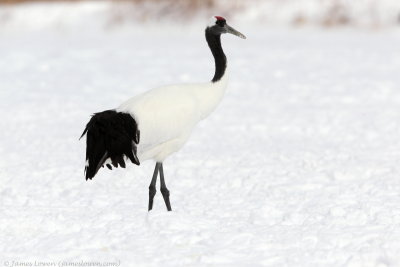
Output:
x=214 y=42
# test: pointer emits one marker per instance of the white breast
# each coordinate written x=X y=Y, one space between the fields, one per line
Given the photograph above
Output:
x=166 y=115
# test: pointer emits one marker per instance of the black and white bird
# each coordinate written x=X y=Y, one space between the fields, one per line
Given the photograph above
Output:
x=157 y=123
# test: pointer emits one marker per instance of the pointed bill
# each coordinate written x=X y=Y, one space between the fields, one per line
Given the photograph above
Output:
x=231 y=30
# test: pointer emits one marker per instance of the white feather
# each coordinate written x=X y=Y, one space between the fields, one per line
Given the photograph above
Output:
x=211 y=21
x=167 y=115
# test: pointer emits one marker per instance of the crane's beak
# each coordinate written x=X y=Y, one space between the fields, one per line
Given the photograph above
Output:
x=231 y=30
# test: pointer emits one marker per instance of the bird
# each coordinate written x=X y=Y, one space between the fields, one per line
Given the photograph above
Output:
x=157 y=123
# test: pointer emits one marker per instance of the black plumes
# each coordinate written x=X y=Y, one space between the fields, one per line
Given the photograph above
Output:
x=110 y=135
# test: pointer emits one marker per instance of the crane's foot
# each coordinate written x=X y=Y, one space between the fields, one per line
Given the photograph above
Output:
x=165 y=194
x=152 y=193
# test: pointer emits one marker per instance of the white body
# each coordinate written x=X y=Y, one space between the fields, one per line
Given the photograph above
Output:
x=167 y=115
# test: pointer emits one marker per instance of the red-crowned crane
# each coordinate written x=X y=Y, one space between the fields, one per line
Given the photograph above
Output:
x=157 y=123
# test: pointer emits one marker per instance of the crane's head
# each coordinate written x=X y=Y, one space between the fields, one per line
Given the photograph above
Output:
x=218 y=26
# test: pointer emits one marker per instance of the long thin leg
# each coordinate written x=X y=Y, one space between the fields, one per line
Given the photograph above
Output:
x=163 y=188
x=152 y=187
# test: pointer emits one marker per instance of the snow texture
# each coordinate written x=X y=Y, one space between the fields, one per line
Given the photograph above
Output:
x=298 y=166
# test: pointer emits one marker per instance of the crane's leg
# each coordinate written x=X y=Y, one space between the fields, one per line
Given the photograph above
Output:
x=163 y=188
x=152 y=187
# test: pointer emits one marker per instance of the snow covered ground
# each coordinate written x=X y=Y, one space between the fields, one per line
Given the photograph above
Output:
x=299 y=166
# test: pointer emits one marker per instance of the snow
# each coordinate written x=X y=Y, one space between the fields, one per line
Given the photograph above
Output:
x=297 y=167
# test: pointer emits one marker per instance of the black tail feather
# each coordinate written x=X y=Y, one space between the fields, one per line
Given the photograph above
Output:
x=110 y=135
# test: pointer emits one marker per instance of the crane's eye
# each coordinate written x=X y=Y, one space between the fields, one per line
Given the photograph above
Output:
x=220 y=23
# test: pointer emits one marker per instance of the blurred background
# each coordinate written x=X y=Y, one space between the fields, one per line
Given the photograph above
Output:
x=325 y=13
